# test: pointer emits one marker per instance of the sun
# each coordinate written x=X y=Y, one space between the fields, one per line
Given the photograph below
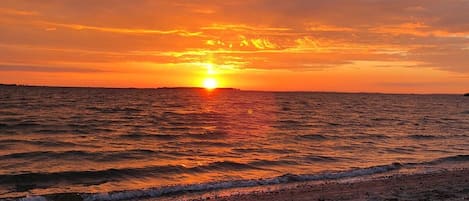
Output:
x=210 y=83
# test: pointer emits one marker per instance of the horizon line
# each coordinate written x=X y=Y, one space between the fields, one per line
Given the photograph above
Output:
x=230 y=88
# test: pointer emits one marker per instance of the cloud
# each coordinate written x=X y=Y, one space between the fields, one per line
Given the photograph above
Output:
x=243 y=27
x=257 y=34
x=328 y=28
x=261 y=43
x=410 y=86
x=447 y=58
x=16 y=12
x=48 y=69
x=120 y=30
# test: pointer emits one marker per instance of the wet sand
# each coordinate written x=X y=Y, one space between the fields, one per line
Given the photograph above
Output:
x=446 y=185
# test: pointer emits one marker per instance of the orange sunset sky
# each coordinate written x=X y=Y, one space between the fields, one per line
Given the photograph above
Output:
x=418 y=46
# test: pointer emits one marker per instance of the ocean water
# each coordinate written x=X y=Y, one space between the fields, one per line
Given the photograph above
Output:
x=112 y=144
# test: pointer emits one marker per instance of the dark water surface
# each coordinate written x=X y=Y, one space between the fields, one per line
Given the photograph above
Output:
x=59 y=140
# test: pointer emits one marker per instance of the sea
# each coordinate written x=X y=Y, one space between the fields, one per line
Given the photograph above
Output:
x=126 y=144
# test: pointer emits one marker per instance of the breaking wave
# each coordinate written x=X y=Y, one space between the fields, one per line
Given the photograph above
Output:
x=203 y=187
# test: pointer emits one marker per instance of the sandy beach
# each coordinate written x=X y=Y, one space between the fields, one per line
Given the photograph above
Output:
x=444 y=185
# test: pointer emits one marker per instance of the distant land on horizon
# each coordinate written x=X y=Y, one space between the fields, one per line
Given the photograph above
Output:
x=220 y=88
x=159 y=88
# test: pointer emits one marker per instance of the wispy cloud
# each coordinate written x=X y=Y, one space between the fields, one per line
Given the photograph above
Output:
x=120 y=30
x=48 y=69
x=328 y=28
x=243 y=27
x=10 y=11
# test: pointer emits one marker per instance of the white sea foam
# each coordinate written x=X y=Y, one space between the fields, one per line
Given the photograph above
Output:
x=33 y=198
x=287 y=178
x=155 y=192
x=283 y=179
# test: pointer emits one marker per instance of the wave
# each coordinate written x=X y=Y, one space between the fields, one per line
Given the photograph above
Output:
x=8 y=113
x=434 y=137
x=33 y=127
x=209 y=186
x=264 y=150
x=316 y=158
x=201 y=143
x=22 y=125
x=400 y=150
x=217 y=134
x=84 y=155
x=203 y=187
x=316 y=137
x=266 y=163
x=422 y=137
x=101 y=176
x=456 y=158
x=43 y=143
x=321 y=137
x=114 y=109
x=192 y=118
x=149 y=136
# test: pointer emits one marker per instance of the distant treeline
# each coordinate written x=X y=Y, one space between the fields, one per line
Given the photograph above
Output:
x=160 y=88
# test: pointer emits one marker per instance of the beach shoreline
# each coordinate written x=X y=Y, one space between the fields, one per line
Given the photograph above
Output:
x=440 y=185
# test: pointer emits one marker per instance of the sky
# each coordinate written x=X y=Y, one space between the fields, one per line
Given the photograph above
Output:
x=391 y=46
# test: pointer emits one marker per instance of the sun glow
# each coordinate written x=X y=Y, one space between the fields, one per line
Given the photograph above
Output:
x=210 y=83
x=210 y=69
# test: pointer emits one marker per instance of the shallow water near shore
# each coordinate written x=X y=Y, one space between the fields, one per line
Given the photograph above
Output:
x=95 y=141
